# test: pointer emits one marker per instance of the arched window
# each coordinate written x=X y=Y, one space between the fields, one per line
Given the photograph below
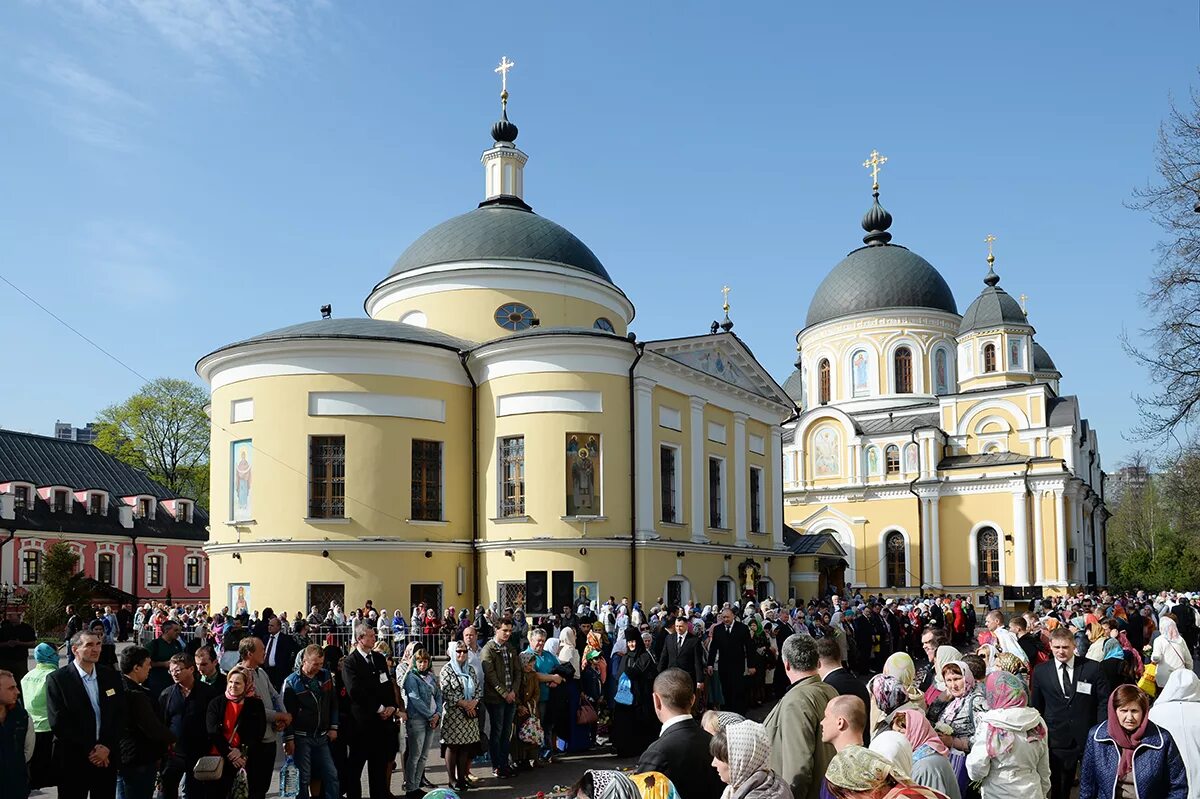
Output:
x=987 y=554
x=989 y=357
x=894 y=552
x=823 y=381
x=892 y=457
x=904 y=377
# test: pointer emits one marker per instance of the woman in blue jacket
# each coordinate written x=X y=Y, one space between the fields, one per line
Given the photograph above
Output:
x=423 y=699
x=1129 y=756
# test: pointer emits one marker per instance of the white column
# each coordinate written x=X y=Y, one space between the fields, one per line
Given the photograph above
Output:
x=1060 y=536
x=643 y=408
x=740 y=478
x=776 y=497
x=801 y=476
x=1077 y=535
x=1020 y=530
x=926 y=544
x=855 y=470
x=1039 y=541
x=699 y=471
x=1102 y=552
x=935 y=541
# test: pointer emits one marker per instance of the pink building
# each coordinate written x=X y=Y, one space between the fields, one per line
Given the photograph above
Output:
x=128 y=531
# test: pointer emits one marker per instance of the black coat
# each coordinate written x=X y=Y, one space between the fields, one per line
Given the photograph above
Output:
x=1068 y=720
x=681 y=754
x=367 y=691
x=193 y=740
x=251 y=724
x=285 y=656
x=690 y=657
x=733 y=646
x=145 y=738
x=73 y=721
x=846 y=684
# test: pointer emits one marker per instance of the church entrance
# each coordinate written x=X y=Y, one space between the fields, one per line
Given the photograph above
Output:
x=831 y=576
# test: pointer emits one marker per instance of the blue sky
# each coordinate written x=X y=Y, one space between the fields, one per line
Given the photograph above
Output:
x=177 y=175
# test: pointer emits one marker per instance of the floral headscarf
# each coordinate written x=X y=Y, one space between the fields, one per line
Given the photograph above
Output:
x=919 y=733
x=943 y=655
x=900 y=665
x=614 y=785
x=856 y=768
x=749 y=749
x=1006 y=691
x=1008 y=662
x=654 y=785
x=887 y=692
x=955 y=705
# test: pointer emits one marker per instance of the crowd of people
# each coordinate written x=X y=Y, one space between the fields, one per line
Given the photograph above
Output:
x=869 y=697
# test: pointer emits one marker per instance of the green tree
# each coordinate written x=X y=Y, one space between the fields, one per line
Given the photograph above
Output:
x=164 y=431
x=60 y=584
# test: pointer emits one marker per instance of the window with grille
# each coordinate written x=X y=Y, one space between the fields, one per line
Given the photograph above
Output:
x=756 y=509
x=21 y=494
x=181 y=509
x=327 y=483
x=95 y=504
x=896 y=567
x=31 y=566
x=892 y=457
x=583 y=474
x=104 y=568
x=193 y=572
x=989 y=357
x=427 y=481
x=512 y=476
x=823 y=381
x=716 y=494
x=904 y=374
x=667 y=471
x=154 y=565
x=59 y=502
x=987 y=552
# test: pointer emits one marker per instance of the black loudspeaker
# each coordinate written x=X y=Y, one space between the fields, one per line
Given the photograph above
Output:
x=563 y=590
x=535 y=592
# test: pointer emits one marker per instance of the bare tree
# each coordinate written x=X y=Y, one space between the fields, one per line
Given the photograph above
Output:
x=1172 y=355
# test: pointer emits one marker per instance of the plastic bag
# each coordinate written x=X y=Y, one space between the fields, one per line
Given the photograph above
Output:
x=531 y=732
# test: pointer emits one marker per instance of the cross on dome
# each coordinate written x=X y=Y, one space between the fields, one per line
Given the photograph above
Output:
x=873 y=163
x=505 y=66
x=988 y=239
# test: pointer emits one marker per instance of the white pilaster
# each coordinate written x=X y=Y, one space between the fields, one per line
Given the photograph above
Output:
x=643 y=408
x=926 y=543
x=1020 y=528
x=1039 y=541
x=740 y=478
x=776 y=497
x=1102 y=552
x=801 y=477
x=699 y=471
x=1060 y=536
x=935 y=541
x=855 y=470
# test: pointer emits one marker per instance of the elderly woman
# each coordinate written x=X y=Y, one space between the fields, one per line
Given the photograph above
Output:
x=1170 y=651
x=234 y=721
x=740 y=752
x=956 y=722
x=936 y=696
x=887 y=697
x=1009 y=757
x=1177 y=710
x=930 y=762
x=859 y=773
x=1128 y=755
x=461 y=695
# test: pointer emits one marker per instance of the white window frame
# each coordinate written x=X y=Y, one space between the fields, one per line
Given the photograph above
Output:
x=31 y=494
x=103 y=501
x=199 y=571
x=30 y=546
x=109 y=548
x=162 y=570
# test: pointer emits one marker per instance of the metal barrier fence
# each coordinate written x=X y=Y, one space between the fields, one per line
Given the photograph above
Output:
x=343 y=637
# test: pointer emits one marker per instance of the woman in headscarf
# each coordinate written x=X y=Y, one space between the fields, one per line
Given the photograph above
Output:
x=713 y=721
x=423 y=702
x=1177 y=710
x=1007 y=661
x=595 y=643
x=859 y=773
x=633 y=722
x=1170 y=651
x=234 y=720
x=406 y=661
x=576 y=737
x=461 y=694
x=654 y=785
x=525 y=752
x=893 y=746
x=600 y=784
x=956 y=723
x=33 y=694
x=740 y=752
x=1009 y=756
x=900 y=665
x=1114 y=664
x=930 y=763
x=1128 y=755
x=887 y=696
x=936 y=697
x=1082 y=641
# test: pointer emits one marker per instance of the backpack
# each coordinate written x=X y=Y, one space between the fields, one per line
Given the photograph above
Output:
x=624 y=695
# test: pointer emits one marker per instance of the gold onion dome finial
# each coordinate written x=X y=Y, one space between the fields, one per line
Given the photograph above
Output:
x=503 y=130
x=877 y=220
x=991 y=279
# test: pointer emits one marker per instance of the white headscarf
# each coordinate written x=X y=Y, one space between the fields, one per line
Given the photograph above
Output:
x=749 y=749
x=1182 y=686
x=895 y=747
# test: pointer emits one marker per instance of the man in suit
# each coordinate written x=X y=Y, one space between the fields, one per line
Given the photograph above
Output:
x=681 y=650
x=798 y=753
x=829 y=666
x=731 y=642
x=1071 y=693
x=85 y=704
x=281 y=653
x=680 y=752
x=373 y=708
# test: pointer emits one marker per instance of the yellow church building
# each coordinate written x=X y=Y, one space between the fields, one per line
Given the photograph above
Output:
x=933 y=449
x=492 y=431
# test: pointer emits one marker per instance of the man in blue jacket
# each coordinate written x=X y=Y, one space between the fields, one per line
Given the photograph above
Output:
x=309 y=696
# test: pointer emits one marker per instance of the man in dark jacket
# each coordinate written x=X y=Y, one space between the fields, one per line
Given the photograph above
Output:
x=184 y=707
x=829 y=666
x=280 y=653
x=681 y=650
x=85 y=705
x=309 y=696
x=680 y=752
x=145 y=739
x=207 y=669
x=373 y=708
x=731 y=641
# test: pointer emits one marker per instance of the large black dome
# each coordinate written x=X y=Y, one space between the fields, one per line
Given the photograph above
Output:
x=877 y=278
x=504 y=231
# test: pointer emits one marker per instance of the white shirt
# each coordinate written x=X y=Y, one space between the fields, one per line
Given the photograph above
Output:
x=1058 y=670
x=672 y=722
x=272 y=646
x=92 y=686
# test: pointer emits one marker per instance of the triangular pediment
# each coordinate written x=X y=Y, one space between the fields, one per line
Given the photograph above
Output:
x=725 y=357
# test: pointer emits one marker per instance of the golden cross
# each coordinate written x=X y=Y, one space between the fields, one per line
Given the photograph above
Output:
x=1024 y=310
x=988 y=239
x=725 y=292
x=874 y=162
x=505 y=66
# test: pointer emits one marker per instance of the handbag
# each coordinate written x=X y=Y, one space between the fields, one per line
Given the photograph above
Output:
x=209 y=768
x=586 y=715
x=531 y=732
x=624 y=695
x=1147 y=682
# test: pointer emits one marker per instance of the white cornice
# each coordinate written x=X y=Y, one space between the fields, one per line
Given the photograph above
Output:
x=519 y=544
x=908 y=318
x=338 y=545
x=719 y=549
x=551 y=352
x=499 y=275
x=67 y=535
x=685 y=380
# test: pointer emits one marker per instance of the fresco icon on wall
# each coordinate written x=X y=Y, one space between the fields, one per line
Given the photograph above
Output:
x=240 y=475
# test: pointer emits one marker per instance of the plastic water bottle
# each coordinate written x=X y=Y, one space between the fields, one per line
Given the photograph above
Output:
x=289 y=780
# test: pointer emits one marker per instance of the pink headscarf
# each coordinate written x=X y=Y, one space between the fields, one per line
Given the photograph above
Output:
x=919 y=732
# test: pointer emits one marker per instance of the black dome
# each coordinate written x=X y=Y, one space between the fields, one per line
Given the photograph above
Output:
x=876 y=278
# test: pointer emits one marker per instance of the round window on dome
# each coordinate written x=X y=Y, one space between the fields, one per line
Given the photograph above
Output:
x=603 y=324
x=514 y=316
